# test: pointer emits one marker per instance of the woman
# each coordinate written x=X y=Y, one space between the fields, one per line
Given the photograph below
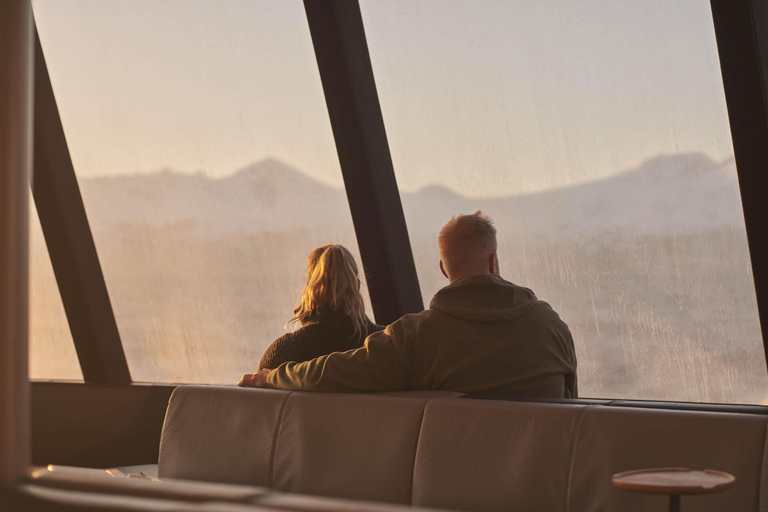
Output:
x=331 y=311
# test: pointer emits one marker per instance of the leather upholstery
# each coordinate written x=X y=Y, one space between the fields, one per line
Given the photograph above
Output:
x=612 y=440
x=481 y=455
x=221 y=434
x=350 y=446
x=455 y=453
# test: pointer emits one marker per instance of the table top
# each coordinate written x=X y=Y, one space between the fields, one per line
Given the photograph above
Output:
x=673 y=481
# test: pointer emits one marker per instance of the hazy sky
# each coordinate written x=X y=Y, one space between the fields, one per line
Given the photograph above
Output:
x=486 y=97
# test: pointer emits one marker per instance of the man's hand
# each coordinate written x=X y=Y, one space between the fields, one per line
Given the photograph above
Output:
x=255 y=380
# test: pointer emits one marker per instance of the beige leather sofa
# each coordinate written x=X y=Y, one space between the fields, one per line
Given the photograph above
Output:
x=454 y=453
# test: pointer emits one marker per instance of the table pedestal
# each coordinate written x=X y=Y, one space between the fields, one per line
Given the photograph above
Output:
x=674 y=503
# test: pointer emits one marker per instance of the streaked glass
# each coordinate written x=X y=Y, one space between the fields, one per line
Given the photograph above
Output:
x=52 y=353
x=595 y=133
x=201 y=142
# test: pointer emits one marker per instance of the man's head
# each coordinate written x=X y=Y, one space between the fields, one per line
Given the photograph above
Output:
x=468 y=246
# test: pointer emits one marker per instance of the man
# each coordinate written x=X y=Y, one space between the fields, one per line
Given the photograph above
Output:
x=481 y=335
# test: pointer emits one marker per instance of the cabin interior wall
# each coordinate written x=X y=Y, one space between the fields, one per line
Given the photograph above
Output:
x=98 y=426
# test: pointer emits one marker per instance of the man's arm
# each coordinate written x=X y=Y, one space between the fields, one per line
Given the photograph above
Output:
x=572 y=384
x=376 y=366
x=571 y=380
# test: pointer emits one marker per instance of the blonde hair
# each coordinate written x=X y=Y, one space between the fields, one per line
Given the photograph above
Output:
x=466 y=240
x=332 y=284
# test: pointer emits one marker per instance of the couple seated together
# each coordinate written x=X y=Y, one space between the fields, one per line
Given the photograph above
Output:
x=481 y=334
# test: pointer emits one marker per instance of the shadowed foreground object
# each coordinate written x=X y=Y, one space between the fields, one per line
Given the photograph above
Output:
x=16 y=79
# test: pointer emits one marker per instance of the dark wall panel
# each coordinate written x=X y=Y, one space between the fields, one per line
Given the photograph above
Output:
x=98 y=426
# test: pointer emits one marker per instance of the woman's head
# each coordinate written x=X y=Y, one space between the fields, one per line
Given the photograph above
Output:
x=332 y=284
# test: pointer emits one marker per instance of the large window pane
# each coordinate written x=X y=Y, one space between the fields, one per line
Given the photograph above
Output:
x=595 y=133
x=201 y=142
x=51 y=350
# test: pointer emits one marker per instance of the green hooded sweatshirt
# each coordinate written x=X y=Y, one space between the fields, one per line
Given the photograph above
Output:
x=480 y=335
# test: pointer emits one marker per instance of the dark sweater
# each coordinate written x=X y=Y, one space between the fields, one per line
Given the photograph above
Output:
x=321 y=335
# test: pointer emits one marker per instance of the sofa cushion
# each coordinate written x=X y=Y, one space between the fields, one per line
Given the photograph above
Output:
x=489 y=455
x=348 y=446
x=221 y=434
x=611 y=440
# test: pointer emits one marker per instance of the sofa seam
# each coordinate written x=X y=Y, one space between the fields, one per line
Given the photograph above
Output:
x=165 y=419
x=416 y=451
x=278 y=430
x=576 y=430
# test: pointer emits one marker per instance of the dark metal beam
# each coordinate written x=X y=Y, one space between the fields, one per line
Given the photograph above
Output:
x=361 y=142
x=70 y=243
x=741 y=28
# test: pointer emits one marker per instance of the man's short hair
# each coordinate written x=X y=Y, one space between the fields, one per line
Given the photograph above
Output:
x=467 y=240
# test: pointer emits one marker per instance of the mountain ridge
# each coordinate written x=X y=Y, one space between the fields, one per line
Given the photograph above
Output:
x=679 y=192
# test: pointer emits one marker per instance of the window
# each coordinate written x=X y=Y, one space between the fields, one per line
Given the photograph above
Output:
x=202 y=146
x=596 y=135
x=51 y=350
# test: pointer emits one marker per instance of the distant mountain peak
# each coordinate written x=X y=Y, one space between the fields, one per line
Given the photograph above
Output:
x=690 y=191
x=273 y=172
x=665 y=167
x=687 y=163
x=266 y=167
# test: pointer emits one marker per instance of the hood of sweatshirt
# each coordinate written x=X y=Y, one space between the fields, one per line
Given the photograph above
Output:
x=484 y=298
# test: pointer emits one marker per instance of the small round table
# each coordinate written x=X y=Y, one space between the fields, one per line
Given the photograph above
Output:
x=674 y=482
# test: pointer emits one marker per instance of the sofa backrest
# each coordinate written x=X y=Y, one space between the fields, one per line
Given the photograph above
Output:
x=433 y=451
x=489 y=455
x=611 y=440
x=221 y=434
x=351 y=446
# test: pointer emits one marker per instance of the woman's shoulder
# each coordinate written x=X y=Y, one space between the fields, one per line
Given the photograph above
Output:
x=301 y=334
x=311 y=340
x=286 y=348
